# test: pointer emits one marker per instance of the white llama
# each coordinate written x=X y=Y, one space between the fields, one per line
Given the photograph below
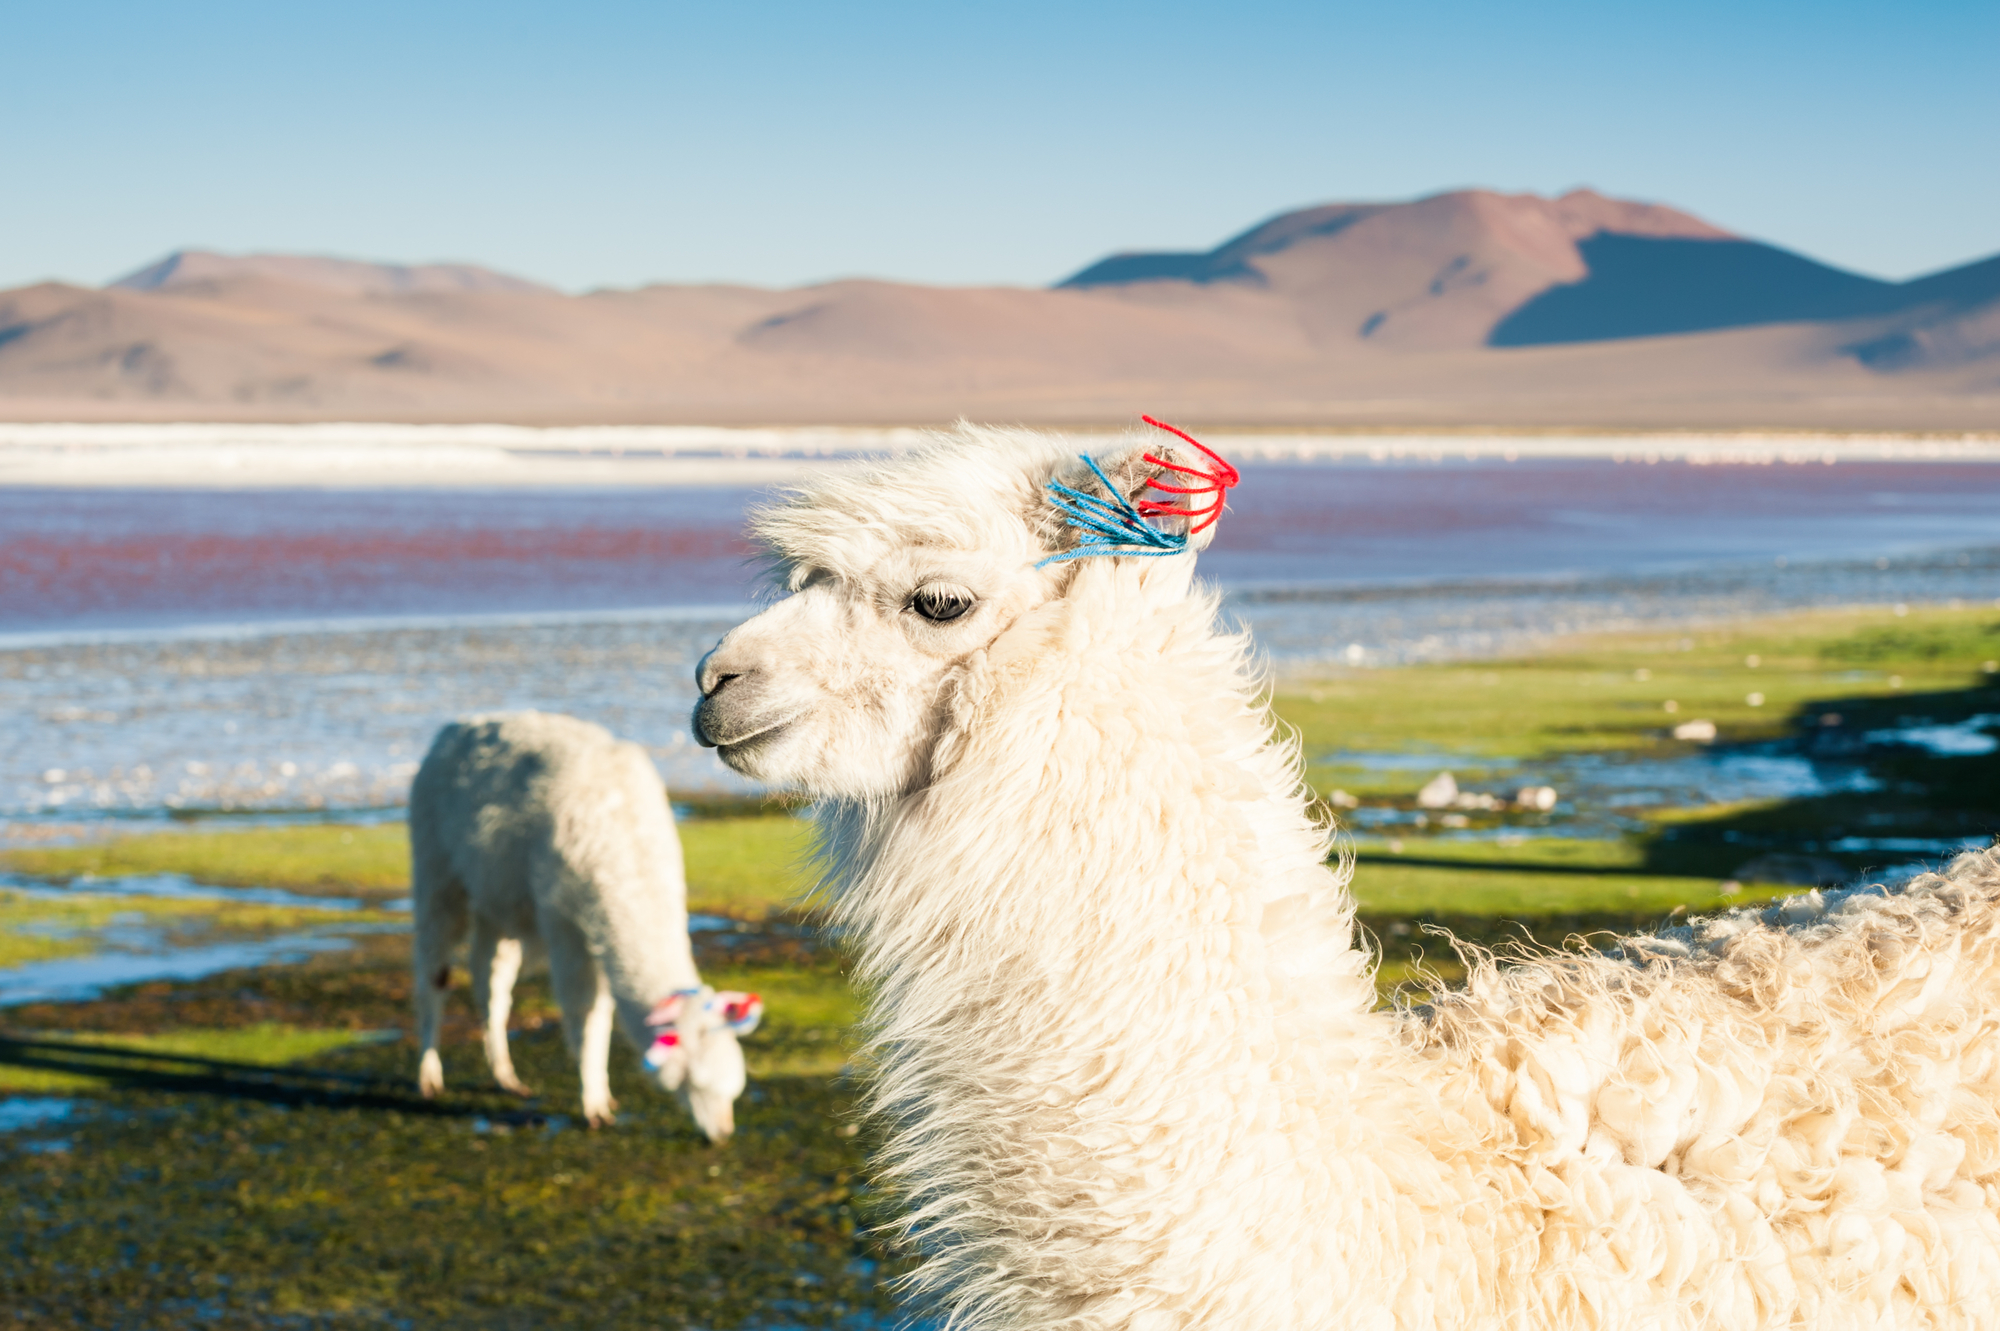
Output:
x=540 y=832
x=1132 y=1070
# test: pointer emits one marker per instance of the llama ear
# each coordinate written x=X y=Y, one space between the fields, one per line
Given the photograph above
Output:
x=667 y=1056
x=667 y=1011
x=1150 y=497
x=740 y=1011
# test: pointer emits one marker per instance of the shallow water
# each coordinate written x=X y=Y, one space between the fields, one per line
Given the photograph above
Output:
x=135 y=947
x=294 y=650
x=112 y=560
x=74 y=979
x=1602 y=794
x=18 y=1112
x=179 y=887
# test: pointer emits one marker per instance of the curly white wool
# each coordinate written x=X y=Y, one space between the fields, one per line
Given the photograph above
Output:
x=532 y=831
x=1131 y=1066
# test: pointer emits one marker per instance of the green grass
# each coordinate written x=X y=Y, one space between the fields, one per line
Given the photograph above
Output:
x=229 y=1212
x=810 y=1018
x=746 y=867
x=1611 y=692
x=44 y=928
x=196 y=1191
x=324 y=858
x=268 y=1044
x=1388 y=889
x=739 y=866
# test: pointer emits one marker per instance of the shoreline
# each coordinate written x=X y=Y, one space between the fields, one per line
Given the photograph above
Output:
x=359 y=455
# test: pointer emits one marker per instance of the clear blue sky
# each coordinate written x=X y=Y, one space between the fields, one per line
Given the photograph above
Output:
x=590 y=143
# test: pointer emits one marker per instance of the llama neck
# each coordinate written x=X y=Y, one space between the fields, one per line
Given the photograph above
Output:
x=1111 y=782
x=1109 y=965
x=641 y=938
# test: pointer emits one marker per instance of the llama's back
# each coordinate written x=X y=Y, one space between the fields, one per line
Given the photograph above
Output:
x=1777 y=1112
x=534 y=810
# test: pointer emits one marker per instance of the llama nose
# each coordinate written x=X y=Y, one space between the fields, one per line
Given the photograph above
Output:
x=709 y=678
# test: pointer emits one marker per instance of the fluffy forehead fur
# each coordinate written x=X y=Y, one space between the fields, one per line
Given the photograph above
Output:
x=902 y=575
x=973 y=491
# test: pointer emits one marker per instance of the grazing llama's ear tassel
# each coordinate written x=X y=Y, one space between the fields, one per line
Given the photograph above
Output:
x=668 y=1010
x=1116 y=526
x=740 y=1011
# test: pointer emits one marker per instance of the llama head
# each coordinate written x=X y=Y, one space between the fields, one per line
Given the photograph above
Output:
x=901 y=575
x=694 y=1053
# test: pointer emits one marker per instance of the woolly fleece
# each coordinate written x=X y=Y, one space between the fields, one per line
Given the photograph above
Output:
x=532 y=832
x=1132 y=1071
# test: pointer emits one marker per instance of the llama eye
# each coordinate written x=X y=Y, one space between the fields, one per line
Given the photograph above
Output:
x=941 y=602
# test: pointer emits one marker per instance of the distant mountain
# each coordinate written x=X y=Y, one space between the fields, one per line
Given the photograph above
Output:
x=1581 y=268
x=1463 y=308
x=1950 y=319
x=1440 y=272
x=185 y=268
x=1641 y=286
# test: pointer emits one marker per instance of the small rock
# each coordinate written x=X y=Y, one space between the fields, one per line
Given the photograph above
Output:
x=1340 y=799
x=1440 y=792
x=1454 y=820
x=1539 y=798
x=1699 y=730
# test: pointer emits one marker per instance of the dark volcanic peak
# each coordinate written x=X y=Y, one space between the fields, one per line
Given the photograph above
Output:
x=1526 y=222
x=184 y=268
x=1474 y=267
x=1648 y=286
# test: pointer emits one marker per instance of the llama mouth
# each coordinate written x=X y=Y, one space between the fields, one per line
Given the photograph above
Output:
x=724 y=745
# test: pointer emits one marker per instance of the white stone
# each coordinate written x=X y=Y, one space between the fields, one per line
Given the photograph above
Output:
x=1440 y=792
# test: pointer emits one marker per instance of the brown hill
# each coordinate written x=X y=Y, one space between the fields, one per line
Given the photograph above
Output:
x=1465 y=308
x=185 y=268
x=1431 y=275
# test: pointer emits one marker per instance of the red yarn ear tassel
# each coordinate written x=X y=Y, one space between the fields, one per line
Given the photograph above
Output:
x=1218 y=482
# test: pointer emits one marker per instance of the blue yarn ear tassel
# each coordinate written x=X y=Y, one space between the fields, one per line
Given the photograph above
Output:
x=1109 y=526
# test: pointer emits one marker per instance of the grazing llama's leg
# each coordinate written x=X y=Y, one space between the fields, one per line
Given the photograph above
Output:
x=441 y=908
x=496 y=964
x=587 y=1010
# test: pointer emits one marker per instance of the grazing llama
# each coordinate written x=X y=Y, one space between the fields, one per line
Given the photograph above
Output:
x=543 y=833
x=1133 y=1074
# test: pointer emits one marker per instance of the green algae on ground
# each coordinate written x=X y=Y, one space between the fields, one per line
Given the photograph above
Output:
x=44 y=926
x=219 y=1196
x=269 y=1044
x=322 y=858
x=236 y=1212
x=1610 y=692
x=740 y=866
x=1383 y=886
